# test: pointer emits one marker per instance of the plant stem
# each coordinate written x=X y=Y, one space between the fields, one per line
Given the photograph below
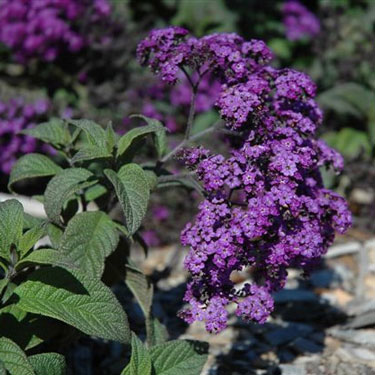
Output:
x=190 y=120
x=193 y=138
x=172 y=177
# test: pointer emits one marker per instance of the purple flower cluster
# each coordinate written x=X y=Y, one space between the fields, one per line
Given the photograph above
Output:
x=265 y=206
x=299 y=22
x=45 y=28
x=168 y=50
x=16 y=115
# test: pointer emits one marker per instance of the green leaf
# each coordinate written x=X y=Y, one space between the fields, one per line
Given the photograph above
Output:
x=204 y=121
x=133 y=192
x=14 y=310
x=90 y=153
x=140 y=361
x=111 y=137
x=179 y=357
x=209 y=16
x=141 y=288
x=152 y=179
x=14 y=359
x=63 y=186
x=26 y=330
x=281 y=47
x=3 y=265
x=96 y=135
x=3 y=284
x=349 y=98
x=11 y=226
x=76 y=299
x=48 y=364
x=349 y=142
x=159 y=333
x=30 y=238
x=54 y=132
x=88 y=239
x=46 y=257
x=54 y=233
x=154 y=126
x=94 y=192
x=31 y=221
x=3 y=370
x=8 y=292
x=31 y=166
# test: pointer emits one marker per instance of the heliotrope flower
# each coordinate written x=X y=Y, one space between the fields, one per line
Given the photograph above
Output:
x=265 y=206
x=17 y=115
x=45 y=28
x=299 y=22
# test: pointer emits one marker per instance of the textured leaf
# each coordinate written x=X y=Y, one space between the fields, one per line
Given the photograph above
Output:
x=88 y=239
x=133 y=192
x=179 y=357
x=63 y=186
x=127 y=139
x=11 y=226
x=54 y=233
x=96 y=135
x=159 y=333
x=14 y=359
x=152 y=179
x=160 y=137
x=30 y=238
x=13 y=310
x=31 y=166
x=94 y=192
x=26 y=330
x=8 y=292
x=140 y=361
x=3 y=370
x=48 y=364
x=54 y=132
x=31 y=221
x=3 y=265
x=3 y=284
x=91 y=153
x=76 y=299
x=140 y=287
x=47 y=257
x=111 y=137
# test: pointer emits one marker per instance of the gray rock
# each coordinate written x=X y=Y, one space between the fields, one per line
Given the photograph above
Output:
x=292 y=370
x=323 y=278
x=363 y=320
x=286 y=334
x=303 y=345
x=357 y=307
x=295 y=295
x=362 y=337
x=285 y=355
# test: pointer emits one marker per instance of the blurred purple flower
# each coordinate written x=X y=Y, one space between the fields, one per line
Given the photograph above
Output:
x=17 y=115
x=45 y=28
x=299 y=22
x=151 y=238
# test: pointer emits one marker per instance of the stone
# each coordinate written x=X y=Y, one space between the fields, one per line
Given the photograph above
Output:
x=303 y=345
x=286 y=334
x=292 y=370
x=361 y=337
x=295 y=295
